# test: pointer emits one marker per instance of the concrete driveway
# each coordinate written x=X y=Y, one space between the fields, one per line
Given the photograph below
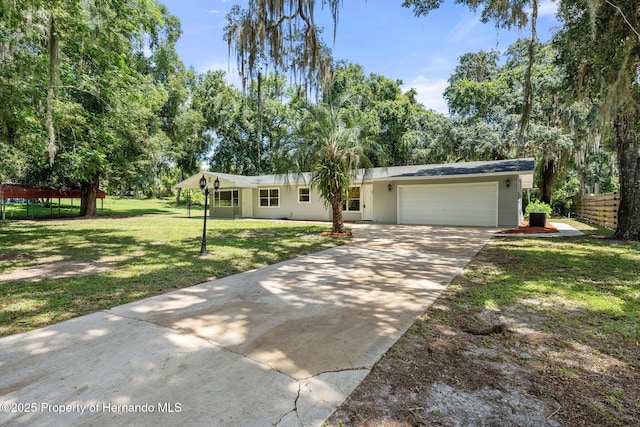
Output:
x=282 y=345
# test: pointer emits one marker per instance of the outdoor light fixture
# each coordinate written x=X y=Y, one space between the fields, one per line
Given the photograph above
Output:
x=389 y=187
x=508 y=182
x=203 y=186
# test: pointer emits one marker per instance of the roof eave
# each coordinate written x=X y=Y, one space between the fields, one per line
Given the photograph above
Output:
x=470 y=175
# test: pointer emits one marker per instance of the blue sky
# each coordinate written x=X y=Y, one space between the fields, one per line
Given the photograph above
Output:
x=380 y=35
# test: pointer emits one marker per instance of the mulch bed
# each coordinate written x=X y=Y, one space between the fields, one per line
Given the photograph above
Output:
x=524 y=228
x=329 y=233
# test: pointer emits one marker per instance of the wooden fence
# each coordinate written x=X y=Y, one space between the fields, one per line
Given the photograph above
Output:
x=600 y=209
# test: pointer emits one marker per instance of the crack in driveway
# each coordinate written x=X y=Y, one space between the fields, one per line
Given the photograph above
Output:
x=309 y=319
x=295 y=408
x=300 y=381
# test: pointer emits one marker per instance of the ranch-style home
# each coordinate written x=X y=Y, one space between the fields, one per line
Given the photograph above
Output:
x=472 y=193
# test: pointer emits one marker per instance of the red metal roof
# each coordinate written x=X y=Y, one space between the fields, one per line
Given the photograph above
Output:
x=19 y=191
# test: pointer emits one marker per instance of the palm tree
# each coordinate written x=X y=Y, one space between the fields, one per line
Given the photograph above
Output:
x=334 y=152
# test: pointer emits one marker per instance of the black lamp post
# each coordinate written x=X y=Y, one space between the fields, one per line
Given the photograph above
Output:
x=203 y=186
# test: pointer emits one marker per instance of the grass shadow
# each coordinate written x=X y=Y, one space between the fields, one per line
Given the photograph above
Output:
x=146 y=256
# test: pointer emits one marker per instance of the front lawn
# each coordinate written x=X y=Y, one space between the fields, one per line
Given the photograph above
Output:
x=110 y=206
x=58 y=269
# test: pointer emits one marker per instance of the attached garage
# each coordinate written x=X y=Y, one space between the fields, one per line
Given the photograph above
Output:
x=449 y=204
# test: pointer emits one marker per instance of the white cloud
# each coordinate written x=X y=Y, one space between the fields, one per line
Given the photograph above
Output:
x=429 y=93
x=215 y=11
x=228 y=66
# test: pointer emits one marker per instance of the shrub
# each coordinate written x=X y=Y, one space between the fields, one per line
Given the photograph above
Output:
x=537 y=206
x=563 y=195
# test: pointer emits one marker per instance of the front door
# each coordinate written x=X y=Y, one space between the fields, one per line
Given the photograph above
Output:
x=247 y=203
x=367 y=202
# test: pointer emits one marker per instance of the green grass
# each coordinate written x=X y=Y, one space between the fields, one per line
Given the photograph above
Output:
x=571 y=303
x=586 y=286
x=588 y=229
x=145 y=255
x=110 y=206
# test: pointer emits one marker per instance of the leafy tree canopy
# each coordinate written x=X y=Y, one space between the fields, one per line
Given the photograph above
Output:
x=281 y=35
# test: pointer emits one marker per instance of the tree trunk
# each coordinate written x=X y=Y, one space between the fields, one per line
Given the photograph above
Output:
x=336 y=208
x=53 y=59
x=89 y=193
x=179 y=189
x=178 y=196
x=548 y=178
x=629 y=166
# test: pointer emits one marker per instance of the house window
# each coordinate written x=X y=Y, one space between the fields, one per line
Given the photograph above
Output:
x=352 y=203
x=226 y=198
x=269 y=197
x=304 y=196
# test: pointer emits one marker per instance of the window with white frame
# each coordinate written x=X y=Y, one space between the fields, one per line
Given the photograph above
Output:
x=352 y=203
x=304 y=195
x=226 y=198
x=269 y=197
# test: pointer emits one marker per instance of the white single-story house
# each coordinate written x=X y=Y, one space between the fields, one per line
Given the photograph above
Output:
x=472 y=193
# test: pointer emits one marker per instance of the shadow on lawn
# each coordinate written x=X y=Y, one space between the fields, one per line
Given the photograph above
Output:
x=286 y=332
x=45 y=214
x=574 y=306
x=571 y=343
x=142 y=267
x=577 y=268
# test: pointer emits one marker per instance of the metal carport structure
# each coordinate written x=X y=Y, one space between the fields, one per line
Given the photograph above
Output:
x=21 y=191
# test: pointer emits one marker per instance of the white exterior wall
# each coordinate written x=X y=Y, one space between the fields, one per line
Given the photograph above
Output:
x=290 y=207
x=509 y=206
x=384 y=204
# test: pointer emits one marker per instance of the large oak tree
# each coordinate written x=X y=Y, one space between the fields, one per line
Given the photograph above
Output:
x=600 y=47
x=79 y=102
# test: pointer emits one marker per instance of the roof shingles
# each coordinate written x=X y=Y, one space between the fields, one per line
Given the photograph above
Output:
x=516 y=166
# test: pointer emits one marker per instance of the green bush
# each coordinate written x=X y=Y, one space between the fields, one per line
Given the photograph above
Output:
x=537 y=206
x=563 y=195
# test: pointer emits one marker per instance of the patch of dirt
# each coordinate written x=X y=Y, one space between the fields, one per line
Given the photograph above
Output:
x=507 y=366
x=13 y=257
x=329 y=233
x=56 y=268
x=524 y=228
x=252 y=234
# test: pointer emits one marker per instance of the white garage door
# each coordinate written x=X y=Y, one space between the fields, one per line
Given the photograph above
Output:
x=449 y=204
